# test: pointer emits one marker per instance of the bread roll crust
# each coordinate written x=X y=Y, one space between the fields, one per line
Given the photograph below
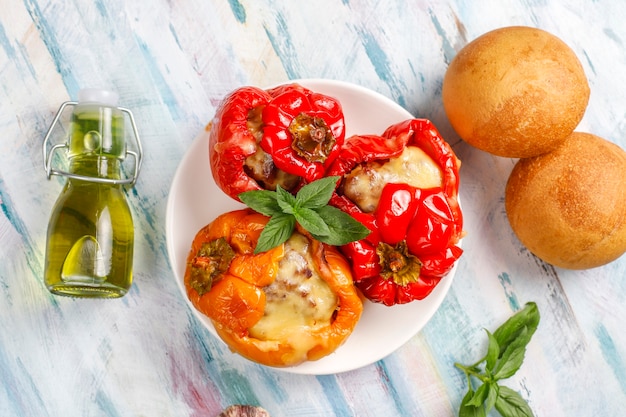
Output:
x=568 y=206
x=515 y=92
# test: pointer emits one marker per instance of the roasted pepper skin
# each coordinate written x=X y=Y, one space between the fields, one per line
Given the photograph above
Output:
x=396 y=210
x=250 y=119
x=236 y=300
x=428 y=222
x=231 y=141
x=287 y=104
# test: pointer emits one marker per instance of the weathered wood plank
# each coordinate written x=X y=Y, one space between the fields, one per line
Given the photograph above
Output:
x=172 y=62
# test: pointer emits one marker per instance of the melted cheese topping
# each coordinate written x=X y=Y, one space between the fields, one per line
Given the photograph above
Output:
x=414 y=167
x=297 y=302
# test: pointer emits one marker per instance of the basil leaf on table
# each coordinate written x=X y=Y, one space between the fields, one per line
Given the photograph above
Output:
x=510 y=330
x=467 y=410
x=493 y=351
x=505 y=354
x=511 y=404
x=512 y=357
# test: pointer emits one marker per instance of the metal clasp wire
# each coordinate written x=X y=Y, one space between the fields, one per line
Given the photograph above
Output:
x=49 y=153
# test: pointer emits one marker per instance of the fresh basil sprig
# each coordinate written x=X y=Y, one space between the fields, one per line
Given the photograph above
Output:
x=505 y=354
x=309 y=207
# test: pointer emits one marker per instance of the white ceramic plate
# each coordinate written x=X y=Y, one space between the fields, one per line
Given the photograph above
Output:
x=195 y=200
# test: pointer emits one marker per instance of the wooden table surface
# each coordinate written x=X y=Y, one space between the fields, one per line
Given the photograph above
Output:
x=146 y=354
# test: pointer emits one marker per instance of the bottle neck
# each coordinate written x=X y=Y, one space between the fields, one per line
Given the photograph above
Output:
x=97 y=130
x=96 y=166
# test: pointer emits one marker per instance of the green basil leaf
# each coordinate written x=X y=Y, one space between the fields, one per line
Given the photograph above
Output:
x=311 y=221
x=493 y=352
x=513 y=356
x=509 y=331
x=317 y=194
x=466 y=410
x=479 y=396
x=261 y=201
x=309 y=208
x=278 y=229
x=343 y=227
x=510 y=404
x=285 y=200
x=492 y=396
x=505 y=354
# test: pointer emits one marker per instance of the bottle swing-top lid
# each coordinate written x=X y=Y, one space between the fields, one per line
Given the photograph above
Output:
x=100 y=107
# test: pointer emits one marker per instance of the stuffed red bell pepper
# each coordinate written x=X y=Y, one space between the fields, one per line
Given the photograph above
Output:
x=283 y=136
x=402 y=185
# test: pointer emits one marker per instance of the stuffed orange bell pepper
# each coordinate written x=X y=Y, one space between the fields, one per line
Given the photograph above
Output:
x=293 y=303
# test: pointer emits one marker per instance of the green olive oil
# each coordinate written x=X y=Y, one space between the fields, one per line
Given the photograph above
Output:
x=89 y=251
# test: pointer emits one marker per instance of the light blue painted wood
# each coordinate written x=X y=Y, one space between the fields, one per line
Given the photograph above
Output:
x=172 y=62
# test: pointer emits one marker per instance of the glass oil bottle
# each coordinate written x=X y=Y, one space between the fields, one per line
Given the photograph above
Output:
x=90 y=239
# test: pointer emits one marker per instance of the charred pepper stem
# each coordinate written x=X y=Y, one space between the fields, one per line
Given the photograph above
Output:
x=211 y=261
x=398 y=264
x=312 y=138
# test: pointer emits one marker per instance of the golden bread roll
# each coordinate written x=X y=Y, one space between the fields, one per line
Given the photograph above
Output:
x=515 y=92
x=568 y=206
